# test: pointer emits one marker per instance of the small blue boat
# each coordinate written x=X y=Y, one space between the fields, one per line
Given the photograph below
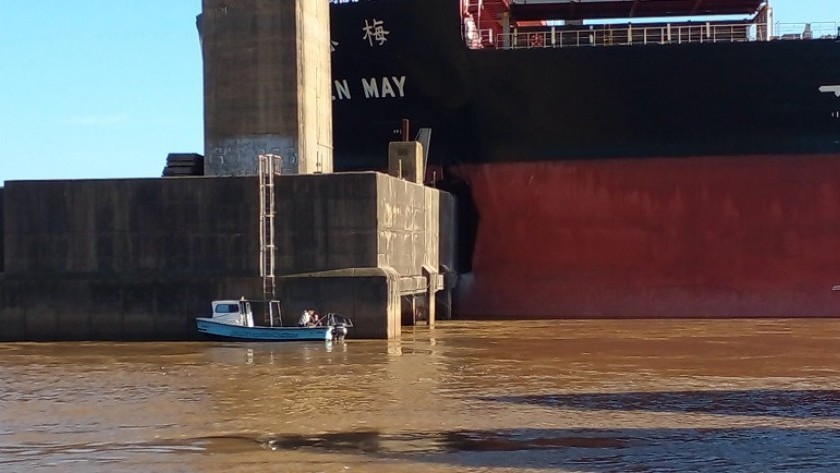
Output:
x=234 y=320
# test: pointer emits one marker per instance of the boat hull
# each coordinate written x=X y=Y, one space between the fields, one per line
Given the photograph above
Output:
x=643 y=180
x=276 y=334
x=727 y=236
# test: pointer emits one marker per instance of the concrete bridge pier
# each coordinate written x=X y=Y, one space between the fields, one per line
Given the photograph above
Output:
x=368 y=296
x=378 y=300
x=419 y=296
x=365 y=245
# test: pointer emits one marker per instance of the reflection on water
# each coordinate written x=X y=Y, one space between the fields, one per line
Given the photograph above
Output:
x=583 y=396
x=802 y=404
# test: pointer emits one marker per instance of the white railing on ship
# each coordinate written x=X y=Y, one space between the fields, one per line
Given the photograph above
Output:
x=486 y=36
x=616 y=35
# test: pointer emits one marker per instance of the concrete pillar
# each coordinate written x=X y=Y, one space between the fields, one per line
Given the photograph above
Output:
x=369 y=296
x=266 y=85
x=432 y=288
x=408 y=310
x=443 y=298
x=405 y=161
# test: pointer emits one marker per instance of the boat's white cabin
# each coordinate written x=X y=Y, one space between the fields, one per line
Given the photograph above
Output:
x=233 y=312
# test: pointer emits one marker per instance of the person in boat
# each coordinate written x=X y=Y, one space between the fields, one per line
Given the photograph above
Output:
x=316 y=319
x=305 y=318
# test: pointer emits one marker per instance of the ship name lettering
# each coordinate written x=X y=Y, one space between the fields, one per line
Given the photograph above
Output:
x=342 y=89
x=375 y=32
x=373 y=87
x=384 y=87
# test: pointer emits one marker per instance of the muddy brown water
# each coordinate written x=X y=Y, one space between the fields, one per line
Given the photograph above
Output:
x=576 y=396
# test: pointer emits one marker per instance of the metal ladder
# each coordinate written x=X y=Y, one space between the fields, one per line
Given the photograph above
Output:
x=269 y=166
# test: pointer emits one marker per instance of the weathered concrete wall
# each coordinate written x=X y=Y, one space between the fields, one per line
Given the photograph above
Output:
x=206 y=225
x=140 y=258
x=129 y=259
x=267 y=74
x=364 y=219
x=447 y=225
x=407 y=230
x=160 y=308
x=108 y=308
x=447 y=248
x=363 y=294
x=325 y=222
x=184 y=226
x=405 y=161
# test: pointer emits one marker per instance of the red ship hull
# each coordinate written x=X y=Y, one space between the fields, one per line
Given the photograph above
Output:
x=727 y=236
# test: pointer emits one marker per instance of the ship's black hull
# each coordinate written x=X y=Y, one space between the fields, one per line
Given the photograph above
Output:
x=577 y=160
x=575 y=103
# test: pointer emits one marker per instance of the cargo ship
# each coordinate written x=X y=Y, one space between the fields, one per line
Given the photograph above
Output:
x=612 y=158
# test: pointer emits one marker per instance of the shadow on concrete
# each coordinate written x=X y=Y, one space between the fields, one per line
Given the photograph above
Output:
x=795 y=404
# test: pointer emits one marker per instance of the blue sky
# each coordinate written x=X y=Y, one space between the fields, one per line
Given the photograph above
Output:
x=107 y=88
